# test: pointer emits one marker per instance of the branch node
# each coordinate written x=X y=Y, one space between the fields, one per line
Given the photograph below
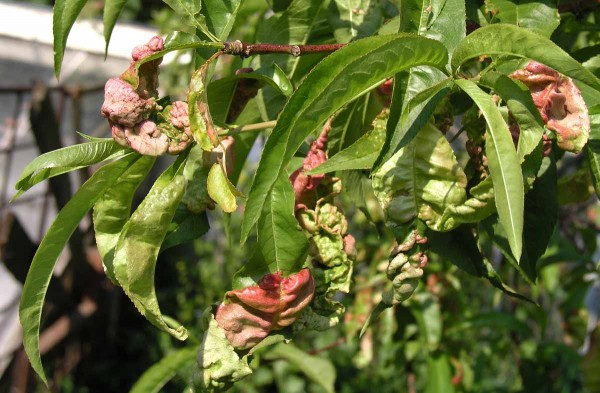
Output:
x=295 y=50
x=235 y=48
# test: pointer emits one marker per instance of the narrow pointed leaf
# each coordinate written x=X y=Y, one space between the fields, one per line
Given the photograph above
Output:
x=139 y=244
x=360 y=155
x=157 y=376
x=503 y=39
x=337 y=80
x=112 y=210
x=220 y=16
x=221 y=190
x=112 y=10
x=67 y=159
x=504 y=167
x=64 y=14
x=40 y=272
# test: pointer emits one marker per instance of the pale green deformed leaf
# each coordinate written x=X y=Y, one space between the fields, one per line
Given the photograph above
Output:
x=157 y=376
x=67 y=159
x=40 y=272
x=221 y=190
x=539 y=16
x=219 y=365
x=112 y=210
x=360 y=155
x=420 y=181
x=201 y=123
x=319 y=370
x=503 y=39
x=139 y=244
x=112 y=10
x=504 y=167
x=337 y=80
x=479 y=206
x=64 y=14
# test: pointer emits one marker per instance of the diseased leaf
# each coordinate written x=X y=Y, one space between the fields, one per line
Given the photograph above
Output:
x=503 y=39
x=112 y=210
x=64 y=14
x=504 y=167
x=540 y=16
x=360 y=155
x=201 y=123
x=479 y=206
x=219 y=365
x=65 y=160
x=319 y=370
x=140 y=241
x=420 y=181
x=40 y=272
x=221 y=190
x=157 y=376
x=340 y=78
x=248 y=315
x=112 y=10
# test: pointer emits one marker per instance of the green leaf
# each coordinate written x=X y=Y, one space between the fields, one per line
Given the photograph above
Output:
x=337 y=80
x=502 y=39
x=442 y=20
x=140 y=241
x=112 y=10
x=221 y=190
x=439 y=374
x=112 y=210
x=479 y=206
x=518 y=99
x=189 y=10
x=220 y=16
x=541 y=16
x=185 y=227
x=201 y=123
x=64 y=14
x=272 y=75
x=65 y=160
x=282 y=243
x=352 y=19
x=592 y=149
x=420 y=180
x=504 y=167
x=317 y=369
x=426 y=310
x=157 y=376
x=40 y=272
x=360 y=155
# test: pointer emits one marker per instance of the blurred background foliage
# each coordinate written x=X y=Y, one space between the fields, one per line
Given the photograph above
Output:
x=457 y=333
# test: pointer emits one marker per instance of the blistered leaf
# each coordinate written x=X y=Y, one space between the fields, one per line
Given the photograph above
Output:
x=112 y=210
x=201 y=123
x=219 y=365
x=479 y=206
x=42 y=265
x=504 y=166
x=139 y=244
x=420 y=180
x=248 y=315
x=65 y=160
x=560 y=104
x=331 y=84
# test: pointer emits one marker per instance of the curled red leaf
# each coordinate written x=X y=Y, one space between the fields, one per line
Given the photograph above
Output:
x=248 y=315
x=123 y=105
x=146 y=139
x=560 y=104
